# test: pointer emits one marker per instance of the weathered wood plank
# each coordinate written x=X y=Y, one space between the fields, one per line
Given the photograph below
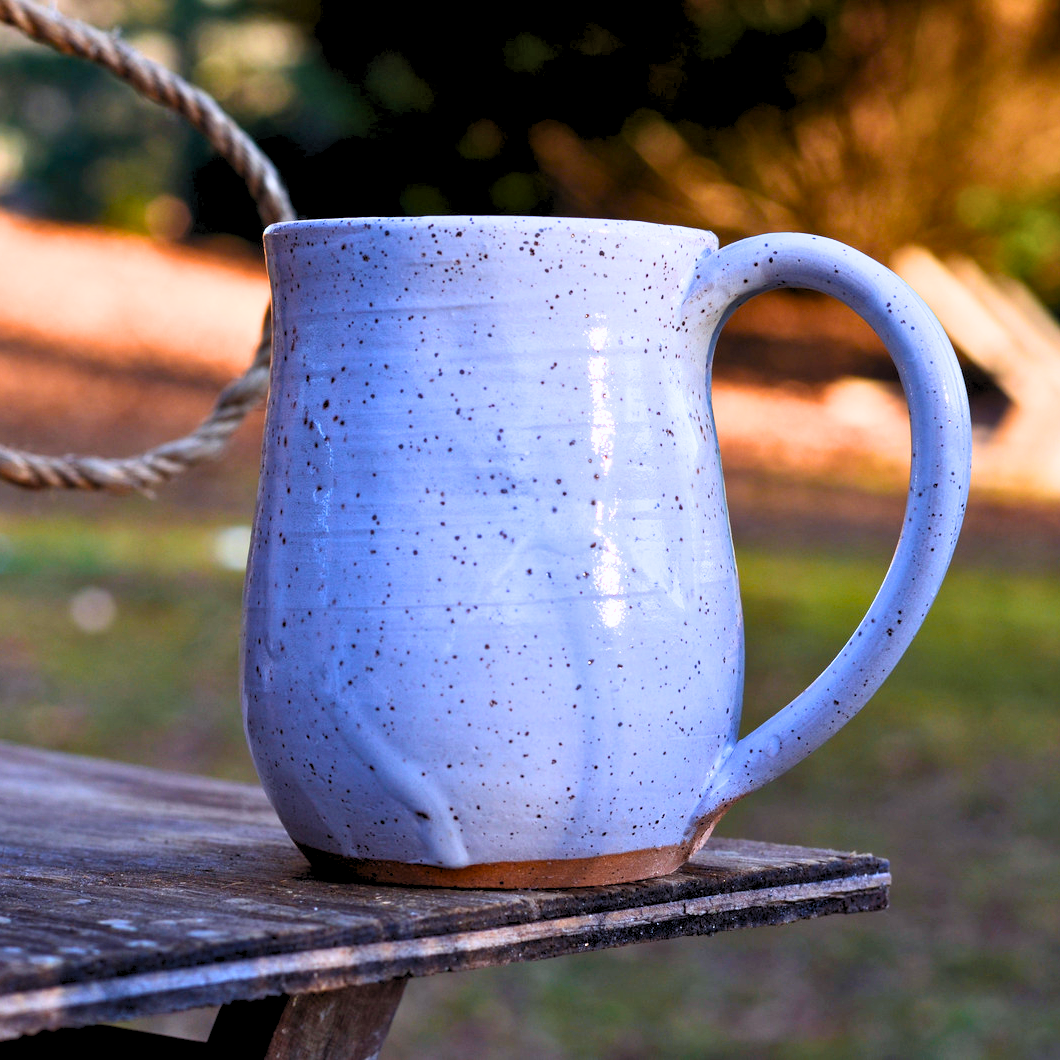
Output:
x=348 y=1024
x=125 y=891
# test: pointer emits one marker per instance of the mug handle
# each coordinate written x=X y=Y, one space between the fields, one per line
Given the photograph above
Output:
x=938 y=484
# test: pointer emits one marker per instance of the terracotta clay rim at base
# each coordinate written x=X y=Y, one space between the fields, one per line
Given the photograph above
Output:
x=596 y=871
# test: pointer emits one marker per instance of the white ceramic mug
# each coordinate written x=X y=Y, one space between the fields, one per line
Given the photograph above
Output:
x=492 y=622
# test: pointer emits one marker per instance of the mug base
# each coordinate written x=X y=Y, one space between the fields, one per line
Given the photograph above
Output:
x=596 y=871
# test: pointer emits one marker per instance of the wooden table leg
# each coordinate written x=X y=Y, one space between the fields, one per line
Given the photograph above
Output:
x=347 y=1024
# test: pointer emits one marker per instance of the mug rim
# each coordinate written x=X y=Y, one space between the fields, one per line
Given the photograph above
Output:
x=513 y=222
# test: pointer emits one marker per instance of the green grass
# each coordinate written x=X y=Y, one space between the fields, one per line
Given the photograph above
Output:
x=950 y=772
x=158 y=684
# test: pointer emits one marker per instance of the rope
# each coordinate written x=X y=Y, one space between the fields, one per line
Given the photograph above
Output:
x=239 y=397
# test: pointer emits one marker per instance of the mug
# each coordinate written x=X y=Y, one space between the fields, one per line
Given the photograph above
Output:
x=492 y=632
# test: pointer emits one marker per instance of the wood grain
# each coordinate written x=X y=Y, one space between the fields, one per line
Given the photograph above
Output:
x=346 y=1024
x=126 y=891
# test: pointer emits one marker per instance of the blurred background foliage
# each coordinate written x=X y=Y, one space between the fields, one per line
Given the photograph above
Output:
x=878 y=123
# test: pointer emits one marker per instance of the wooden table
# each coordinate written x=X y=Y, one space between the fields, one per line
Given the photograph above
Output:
x=127 y=891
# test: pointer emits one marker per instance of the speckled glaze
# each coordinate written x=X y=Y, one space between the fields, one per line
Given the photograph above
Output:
x=492 y=623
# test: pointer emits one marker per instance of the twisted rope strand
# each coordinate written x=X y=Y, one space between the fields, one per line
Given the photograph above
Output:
x=162 y=86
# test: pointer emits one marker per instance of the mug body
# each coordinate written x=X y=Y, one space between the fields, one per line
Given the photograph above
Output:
x=492 y=630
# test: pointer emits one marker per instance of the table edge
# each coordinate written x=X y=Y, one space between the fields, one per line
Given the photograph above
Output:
x=122 y=997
